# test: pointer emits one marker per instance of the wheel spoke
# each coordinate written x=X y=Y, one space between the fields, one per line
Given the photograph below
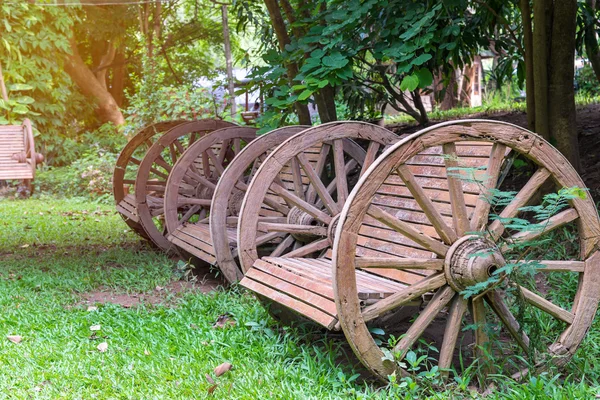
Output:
x=237 y=145
x=318 y=185
x=403 y=296
x=266 y=238
x=525 y=194
x=333 y=184
x=297 y=177
x=434 y=216
x=190 y=200
x=223 y=150
x=400 y=263
x=298 y=202
x=547 y=306
x=558 y=266
x=453 y=328
x=402 y=227
x=460 y=216
x=481 y=337
x=160 y=161
x=285 y=243
x=311 y=194
x=216 y=163
x=370 y=157
x=537 y=230
x=340 y=172
x=293 y=228
x=482 y=206
x=267 y=201
x=496 y=303
x=309 y=248
x=173 y=153
x=426 y=317
x=179 y=146
x=186 y=217
x=206 y=165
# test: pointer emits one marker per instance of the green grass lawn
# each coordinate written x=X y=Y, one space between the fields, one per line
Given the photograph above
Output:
x=54 y=252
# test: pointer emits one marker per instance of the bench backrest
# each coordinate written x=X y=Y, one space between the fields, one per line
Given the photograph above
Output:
x=12 y=141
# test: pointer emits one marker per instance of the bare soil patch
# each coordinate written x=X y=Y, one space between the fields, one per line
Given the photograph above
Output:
x=159 y=296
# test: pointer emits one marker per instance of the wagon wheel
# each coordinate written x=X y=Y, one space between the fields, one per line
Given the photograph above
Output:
x=192 y=182
x=126 y=169
x=154 y=170
x=230 y=190
x=471 y=250
x=292 y=204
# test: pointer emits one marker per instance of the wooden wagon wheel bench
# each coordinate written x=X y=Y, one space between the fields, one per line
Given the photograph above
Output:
x=208 y=230
x=156 y=166
x=18 y=158
x=126 y=170
x=418 y=230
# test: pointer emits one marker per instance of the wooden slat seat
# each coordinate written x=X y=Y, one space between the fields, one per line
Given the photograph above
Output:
x=305 y=285
x=196 y=240
x=128 y=207
x=12 y=141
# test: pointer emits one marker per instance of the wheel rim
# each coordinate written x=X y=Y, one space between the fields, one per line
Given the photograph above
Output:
x=154 y=170
x=193 y=180
x=295 y=194
x=228 y=192
x=457 y=264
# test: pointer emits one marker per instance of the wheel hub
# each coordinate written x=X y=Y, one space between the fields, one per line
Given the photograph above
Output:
x=204 y=192
x=297 y=216
x=471 y=260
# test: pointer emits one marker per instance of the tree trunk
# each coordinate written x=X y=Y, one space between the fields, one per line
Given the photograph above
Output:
x=117 y=88
x=591 y=40
x=228 y=62
x=416 y=96
x=106 y=60
x=561 y=97
x=292 y=68
x=449 y=100
x=106 y=106
x=466 y=85
x=529 y=79
x=542 y=13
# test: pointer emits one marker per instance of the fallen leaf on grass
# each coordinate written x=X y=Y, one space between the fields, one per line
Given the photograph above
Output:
x=102 y=347
x=24 y=246
x=92 y=308
x=146 y=352
x=212 y=388
x=15 y=338
x=224 y=321
x=209 y=379
x=223 y=368
x=95 y=328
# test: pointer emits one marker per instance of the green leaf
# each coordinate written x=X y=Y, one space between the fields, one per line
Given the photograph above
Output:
x=19 y=86
x=425 y=77
x=421 y=59
x=410 y=82
x=25 y=100
x=322 y=84
x=20 y=109
x=335 y=60
x=305 y=95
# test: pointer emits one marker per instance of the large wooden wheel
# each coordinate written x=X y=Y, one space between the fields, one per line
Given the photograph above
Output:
x=191 y=185
x=229 y=193
x=292 y=204
x=154 y=170
x=442 y=242
x=126 y=169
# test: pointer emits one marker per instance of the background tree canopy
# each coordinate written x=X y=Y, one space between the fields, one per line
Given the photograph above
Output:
x=71 y=68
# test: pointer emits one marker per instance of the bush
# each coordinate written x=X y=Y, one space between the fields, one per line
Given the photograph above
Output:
x=586 y=81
